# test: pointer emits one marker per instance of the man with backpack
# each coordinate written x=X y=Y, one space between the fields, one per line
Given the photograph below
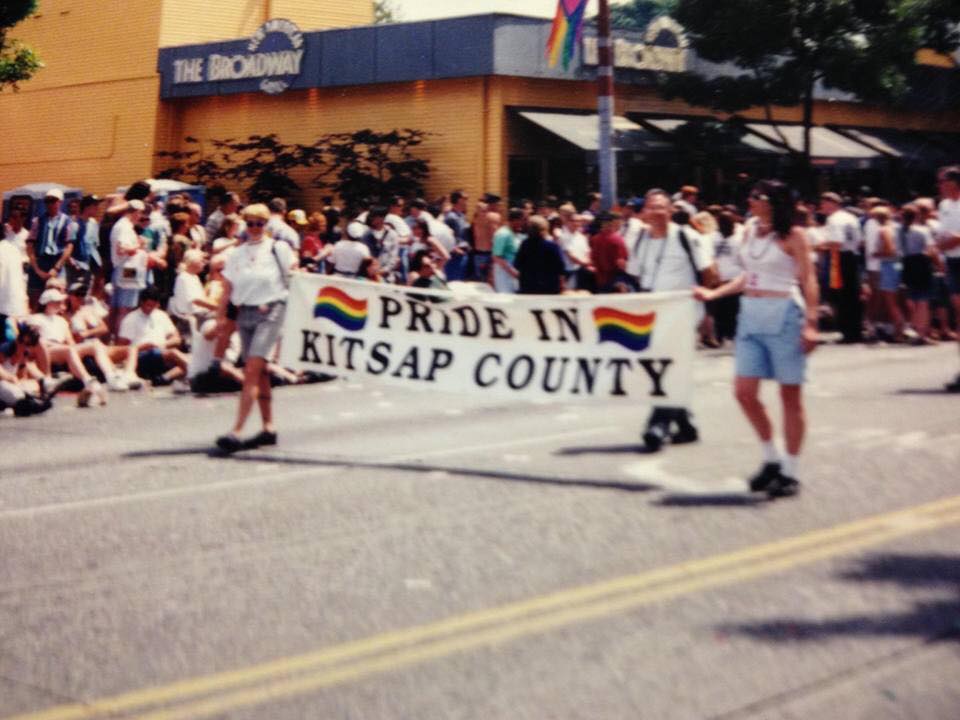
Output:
x=667 y=258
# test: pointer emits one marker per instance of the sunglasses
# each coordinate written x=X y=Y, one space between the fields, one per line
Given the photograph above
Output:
x=758 y=196
x=256 y=223
x=50 y=200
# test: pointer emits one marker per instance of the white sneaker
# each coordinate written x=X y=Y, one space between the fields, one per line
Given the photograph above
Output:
x=98 y=391
x=179 y=387
x=133 y=381
x=118 y=383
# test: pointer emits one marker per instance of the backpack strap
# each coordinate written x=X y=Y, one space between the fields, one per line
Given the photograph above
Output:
x=685 y=244
x=284 y=272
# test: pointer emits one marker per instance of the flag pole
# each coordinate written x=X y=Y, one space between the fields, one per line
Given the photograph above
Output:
x=606 y=158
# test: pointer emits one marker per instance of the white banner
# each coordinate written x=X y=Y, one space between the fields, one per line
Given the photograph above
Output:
x=637 y=346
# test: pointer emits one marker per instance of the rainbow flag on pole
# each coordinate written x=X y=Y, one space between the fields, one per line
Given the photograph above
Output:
x=567 y=24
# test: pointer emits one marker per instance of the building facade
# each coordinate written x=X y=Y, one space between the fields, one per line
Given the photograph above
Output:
x=127 y=86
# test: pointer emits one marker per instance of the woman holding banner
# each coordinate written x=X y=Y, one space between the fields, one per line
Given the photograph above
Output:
x=776 y=327
x=256 y=278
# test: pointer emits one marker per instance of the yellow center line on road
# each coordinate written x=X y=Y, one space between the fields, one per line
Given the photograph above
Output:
x=392 y=650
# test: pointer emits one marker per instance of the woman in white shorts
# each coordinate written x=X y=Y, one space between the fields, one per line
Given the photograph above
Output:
x=776 y=327
x=255 y=280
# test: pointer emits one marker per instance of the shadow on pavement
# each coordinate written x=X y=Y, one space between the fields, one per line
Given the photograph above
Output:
x=924 y=391
x=715 y=500
x=634 y=449
x=929 y=618
x=242 y=457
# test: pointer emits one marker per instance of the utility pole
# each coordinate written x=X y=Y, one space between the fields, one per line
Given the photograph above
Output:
x=606 y=157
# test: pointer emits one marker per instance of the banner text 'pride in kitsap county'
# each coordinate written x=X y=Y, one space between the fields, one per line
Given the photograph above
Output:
x=575 y=375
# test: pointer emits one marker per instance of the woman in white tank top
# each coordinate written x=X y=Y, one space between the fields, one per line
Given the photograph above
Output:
x=776 y=327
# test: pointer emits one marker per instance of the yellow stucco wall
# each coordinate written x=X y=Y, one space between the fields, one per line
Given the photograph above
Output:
x=92 y=116
x=451 y=110
x=188 y=21
x=88 y=117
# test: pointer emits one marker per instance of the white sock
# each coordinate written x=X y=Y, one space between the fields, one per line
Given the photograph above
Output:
x=791 y=465
x=770 y=454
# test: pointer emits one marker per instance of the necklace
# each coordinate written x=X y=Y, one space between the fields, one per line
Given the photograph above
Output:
x=766 y=246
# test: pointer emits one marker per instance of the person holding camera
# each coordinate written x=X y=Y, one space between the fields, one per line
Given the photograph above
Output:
x=255 y=279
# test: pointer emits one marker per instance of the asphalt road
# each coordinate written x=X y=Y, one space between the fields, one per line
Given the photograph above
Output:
x=415 y=555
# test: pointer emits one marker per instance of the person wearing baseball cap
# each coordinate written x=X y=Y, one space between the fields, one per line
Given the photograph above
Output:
x=50 y=245
x=57 y=347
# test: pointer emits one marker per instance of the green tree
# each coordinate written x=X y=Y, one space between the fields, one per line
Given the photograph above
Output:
x=355 y=165
x=369 y=164
x=637 y=14
x=17 y=61
x=385 y=12
x=784 y=49
x=260 y=164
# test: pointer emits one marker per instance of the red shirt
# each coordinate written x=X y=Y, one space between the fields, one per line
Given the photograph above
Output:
x=310 y=246
x=605 y=252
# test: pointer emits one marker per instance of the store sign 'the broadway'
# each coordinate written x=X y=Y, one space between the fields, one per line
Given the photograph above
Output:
x=274 y=54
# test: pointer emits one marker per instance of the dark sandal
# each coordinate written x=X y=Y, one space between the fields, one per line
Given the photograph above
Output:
x=229 y=444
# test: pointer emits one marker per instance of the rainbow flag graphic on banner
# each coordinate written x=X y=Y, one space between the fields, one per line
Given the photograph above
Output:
x=631 y=331
x=567 y=25
x=338 y=307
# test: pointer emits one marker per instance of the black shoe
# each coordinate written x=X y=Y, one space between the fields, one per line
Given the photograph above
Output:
x=653 y=438
x=763 y=479
x=685 y=434
x=229 y=444
x=160 y=381
x=261 y=439
x=954 y=386
x=783 y=486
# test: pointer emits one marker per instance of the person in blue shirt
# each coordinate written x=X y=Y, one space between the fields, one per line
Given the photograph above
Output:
x=51 y=243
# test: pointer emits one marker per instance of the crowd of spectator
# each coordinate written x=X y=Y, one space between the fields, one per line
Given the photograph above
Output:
x=112 y=293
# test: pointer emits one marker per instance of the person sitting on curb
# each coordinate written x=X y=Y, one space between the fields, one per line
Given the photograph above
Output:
x=155 y=340
x=57 y=347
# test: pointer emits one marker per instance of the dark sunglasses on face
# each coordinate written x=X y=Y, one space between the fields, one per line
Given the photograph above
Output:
x=758 y=196
x=50 y=200
x=255 y=223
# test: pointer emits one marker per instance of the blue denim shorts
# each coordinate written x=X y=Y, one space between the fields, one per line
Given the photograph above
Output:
x=768 y=343
x=889 y=276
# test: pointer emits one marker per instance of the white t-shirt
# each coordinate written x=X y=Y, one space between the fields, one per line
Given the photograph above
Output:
x=398 y=224
x=726 y=251
x=950 y=222
x=278 y=229
x=19 y=239
x=348 y=255
x=632 y=230
x=140 y=328
x=664 y=265
x=186 y=289
x=122 y=235
x=706 y=242
x=202 y=350
x=130 y=271
x=575 y=243
x=13 y=283
x=871 y=243
x=844 y=227
x=253 y=270
x=87 y=317
x=52 y=328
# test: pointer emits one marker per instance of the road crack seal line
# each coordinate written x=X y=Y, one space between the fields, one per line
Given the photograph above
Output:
x=390 y=651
